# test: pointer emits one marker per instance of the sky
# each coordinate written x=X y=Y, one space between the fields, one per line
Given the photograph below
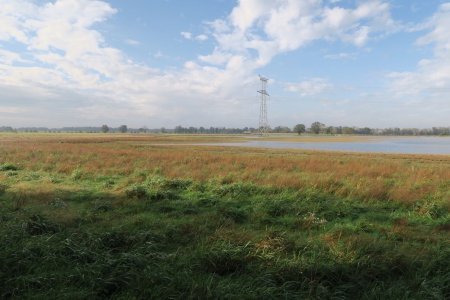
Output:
x=164 y=63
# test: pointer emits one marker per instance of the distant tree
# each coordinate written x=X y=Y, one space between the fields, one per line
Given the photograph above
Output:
x=366 y=131
x=329 y=130
x=338 y=130
x=348 y=130
x=105 y=128
x=6 y=129
x=123 y=128
x=317 y=127
x=180 y=129
x=299 y=128
x=281 y=129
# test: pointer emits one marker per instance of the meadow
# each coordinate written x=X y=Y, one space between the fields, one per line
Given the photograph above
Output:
x=153 y=216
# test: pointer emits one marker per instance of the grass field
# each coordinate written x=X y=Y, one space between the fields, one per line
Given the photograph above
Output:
x=122 y=216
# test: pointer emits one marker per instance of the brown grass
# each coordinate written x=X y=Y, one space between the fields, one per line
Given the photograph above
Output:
x=405 y=178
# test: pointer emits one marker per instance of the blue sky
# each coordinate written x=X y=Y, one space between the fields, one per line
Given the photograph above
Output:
x=374 y=63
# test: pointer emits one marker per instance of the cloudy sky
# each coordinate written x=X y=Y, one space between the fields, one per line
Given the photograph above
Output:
x=157 y=63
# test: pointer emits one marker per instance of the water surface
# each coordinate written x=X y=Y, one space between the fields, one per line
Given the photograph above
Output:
x=407 y=145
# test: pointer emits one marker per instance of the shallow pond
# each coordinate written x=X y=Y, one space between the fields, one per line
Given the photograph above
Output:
x=407 y=145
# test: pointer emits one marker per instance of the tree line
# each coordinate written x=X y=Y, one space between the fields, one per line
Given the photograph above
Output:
x=314 y=128
x=320 y=128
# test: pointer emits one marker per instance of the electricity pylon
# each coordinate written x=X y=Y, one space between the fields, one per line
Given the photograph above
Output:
x=263 y=122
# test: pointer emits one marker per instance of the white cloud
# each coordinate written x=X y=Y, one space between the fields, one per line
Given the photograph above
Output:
x=432 y=75
x=201 y=37
x=309 y=87
x=13 y=18
x=216 y=57
x=8 y=57
x=187 y=35
x=273 y=27
x=159 y=54
x=340 y=56
x=132 y=42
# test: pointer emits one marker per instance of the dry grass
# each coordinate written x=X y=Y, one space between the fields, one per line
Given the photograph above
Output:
x=405 y=178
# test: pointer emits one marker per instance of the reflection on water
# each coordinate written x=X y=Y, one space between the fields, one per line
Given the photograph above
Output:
x=409 y=145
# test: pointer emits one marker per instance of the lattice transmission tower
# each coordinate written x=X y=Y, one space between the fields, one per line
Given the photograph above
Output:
x=263 y=122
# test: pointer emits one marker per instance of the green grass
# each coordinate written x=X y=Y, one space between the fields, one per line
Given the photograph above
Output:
x=8 y=167
x=80 y=236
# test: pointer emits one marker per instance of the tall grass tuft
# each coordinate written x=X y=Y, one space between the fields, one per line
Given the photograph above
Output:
x=8 y=167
